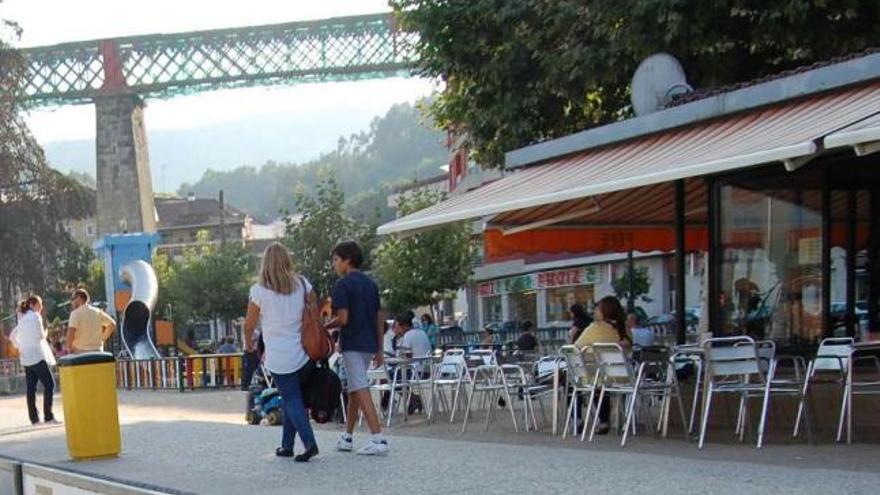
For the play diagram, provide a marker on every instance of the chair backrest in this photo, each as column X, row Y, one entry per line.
column 452, row 365
column 376, row 375
column 613, row 362
column 727, row 356
column 579, row 372
column 488, row 375
column 514, row 374
column 833, row 353
column 766, row 350
column 547, row 365
column 487, row 355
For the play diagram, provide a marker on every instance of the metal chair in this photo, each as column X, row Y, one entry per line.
column 738, row 365
column 837, row 356
column 490, row 382
column 395, row 383
column 581, row 378
column 527, row 391
column 449, row 374
column 619, row 377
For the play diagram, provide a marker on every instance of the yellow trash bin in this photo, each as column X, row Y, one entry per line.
column 91, row 414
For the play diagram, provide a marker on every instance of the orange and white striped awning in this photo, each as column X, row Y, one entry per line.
column 778, row 133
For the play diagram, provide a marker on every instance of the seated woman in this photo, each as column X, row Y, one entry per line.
column 607, row 328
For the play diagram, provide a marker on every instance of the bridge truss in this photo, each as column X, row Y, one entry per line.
column 165, row 65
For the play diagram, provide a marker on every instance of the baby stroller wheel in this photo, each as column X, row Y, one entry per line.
column 274, row 417
column 252, row 418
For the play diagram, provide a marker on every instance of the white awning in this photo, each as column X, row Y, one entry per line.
column 781, row 132
column 864, row 136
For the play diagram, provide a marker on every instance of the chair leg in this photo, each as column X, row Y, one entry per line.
column 800, row 412
column 707, row 403
column 630, row 412
column 455, row 401
column 467, row 409
column 685, row 429
column 763, row 422
column 843, row 402
column 596, row 414
column 569, row 413
column 697, row 389
column 506, row 392
column 587, row 415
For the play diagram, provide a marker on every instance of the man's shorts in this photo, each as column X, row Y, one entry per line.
column 356, row 366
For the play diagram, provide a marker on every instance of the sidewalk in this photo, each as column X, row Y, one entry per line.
column 212, row 451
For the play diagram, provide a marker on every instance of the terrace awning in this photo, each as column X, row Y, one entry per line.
column 635, row 175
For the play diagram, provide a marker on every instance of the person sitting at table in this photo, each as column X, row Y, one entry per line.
column 608, row 327
column 580, row 322
column 488, row 341
column 527, row 340
column 641, row 336
column 415, row 340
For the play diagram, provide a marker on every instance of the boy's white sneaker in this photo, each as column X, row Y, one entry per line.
column 345, row 444
column 374, row 447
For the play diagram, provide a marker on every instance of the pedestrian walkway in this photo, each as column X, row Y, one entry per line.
column 213, row 452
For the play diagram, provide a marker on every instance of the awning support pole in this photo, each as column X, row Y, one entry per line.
column 630, row 282
column 680, row 322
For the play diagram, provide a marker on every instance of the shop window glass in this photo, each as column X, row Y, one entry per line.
column 771, row 265
column 559, row 300
column 523, row 306
column 491, row 309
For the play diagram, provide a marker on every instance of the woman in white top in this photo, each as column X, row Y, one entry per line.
column 29, row 337
column 276, row 302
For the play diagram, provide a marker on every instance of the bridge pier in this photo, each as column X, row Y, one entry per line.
column 124, row 186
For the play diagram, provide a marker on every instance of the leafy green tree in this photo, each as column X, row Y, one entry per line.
column 322, row 222
column 34, row 199
column 527, row 71
column 419, row 270
column 211, row 283
column 637, row 290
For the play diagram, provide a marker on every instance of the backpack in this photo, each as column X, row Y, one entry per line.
column 321, row 389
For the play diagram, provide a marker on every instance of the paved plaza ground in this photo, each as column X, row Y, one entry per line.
column 197, row 442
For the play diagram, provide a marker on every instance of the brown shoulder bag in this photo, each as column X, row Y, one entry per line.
column 315, row 339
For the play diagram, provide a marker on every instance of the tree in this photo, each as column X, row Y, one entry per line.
column 323, row 222
column 420, row 269
column 34, row 199
column 211, row 283
column 520, row 72
column 641, row 285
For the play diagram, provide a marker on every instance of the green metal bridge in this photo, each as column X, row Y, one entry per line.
column 165, row 65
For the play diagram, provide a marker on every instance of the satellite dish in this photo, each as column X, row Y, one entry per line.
column 657, row 79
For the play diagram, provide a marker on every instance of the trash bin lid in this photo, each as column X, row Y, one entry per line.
column 86, row 358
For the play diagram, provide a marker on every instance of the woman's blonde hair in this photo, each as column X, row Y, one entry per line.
column 276, row 272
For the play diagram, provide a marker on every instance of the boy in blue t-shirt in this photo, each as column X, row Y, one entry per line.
column 356, row 303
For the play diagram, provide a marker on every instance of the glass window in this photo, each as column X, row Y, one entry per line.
column 771, row 264
column 523, row 306
column 491, row 309
column 559, row 301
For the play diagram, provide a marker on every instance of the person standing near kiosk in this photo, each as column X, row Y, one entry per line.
column 88, row 327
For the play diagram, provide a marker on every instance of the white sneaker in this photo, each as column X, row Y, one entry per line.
column 345, row 444
column 374, row 447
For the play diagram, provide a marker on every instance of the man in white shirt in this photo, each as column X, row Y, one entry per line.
column 35, row 355
column 416, row 341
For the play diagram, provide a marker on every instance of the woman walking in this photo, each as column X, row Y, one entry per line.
column 276, row 302
column 35, row 354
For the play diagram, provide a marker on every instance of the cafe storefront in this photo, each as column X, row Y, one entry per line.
column 772, row 184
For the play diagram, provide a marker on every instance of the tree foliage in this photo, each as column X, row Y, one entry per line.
column 418, row 270
column 521, row 72
column 397, row 147
column 321, row 222
column 34, row 199
column 212, row 282
column 641, row 285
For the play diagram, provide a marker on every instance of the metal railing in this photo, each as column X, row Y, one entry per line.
column 201, row 371
column 548, row 338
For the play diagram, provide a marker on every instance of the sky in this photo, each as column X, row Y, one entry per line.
column 48, row 22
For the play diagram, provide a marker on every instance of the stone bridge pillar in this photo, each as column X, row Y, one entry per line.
column 124, row 186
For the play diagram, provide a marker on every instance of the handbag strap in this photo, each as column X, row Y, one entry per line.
column 302, row 282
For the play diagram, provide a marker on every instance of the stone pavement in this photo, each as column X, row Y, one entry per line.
column 196, row 442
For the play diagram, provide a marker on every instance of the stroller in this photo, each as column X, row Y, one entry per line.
column 263, row 400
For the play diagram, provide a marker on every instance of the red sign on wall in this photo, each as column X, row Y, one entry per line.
column 561, row 278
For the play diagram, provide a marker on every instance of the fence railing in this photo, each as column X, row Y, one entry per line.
column 201, row 371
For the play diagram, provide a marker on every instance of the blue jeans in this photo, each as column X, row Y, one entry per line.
column 294, row 414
